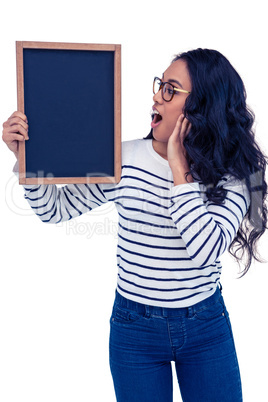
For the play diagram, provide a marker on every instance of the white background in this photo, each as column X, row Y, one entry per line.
column 54, row 320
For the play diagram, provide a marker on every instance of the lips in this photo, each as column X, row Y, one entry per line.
column 156, row 118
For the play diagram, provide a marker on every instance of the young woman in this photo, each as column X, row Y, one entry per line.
column 189, row 191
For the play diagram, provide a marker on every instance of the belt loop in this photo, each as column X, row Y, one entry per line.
column 190, row 312
column 147, row 311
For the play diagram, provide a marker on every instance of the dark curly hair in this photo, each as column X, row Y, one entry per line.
column 221, row 141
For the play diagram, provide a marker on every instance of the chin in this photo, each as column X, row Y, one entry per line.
column 161, row 137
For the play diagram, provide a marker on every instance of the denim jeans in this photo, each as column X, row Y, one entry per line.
column 145, row 339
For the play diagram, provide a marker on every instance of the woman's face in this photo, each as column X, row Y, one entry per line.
column 177, row 74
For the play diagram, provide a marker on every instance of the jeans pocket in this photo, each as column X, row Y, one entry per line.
column 210, row 312
column 123, row 316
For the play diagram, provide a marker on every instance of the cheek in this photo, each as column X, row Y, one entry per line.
column 165, row 129
column 172, row 118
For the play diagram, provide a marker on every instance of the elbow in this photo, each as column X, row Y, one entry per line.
column 202, row 258
column 48, row 218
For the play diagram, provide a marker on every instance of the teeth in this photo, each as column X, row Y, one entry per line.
column 154, row 112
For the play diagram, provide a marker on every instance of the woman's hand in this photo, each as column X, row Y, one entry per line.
column 176, row 152
column 15, row 129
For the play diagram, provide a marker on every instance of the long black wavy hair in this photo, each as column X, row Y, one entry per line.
column 222, row 141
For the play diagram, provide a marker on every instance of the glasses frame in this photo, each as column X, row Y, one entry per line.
column 161, row 87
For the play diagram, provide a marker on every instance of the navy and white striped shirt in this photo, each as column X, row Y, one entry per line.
column 170, row 237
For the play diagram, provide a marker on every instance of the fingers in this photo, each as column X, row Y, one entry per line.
column 183, row 125
column 180, row 120
column 20, row 115
column 17, row 120
column 15, row 128
column 189, row 126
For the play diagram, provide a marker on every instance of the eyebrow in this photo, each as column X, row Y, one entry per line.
column 176, row 82
column 172, row 80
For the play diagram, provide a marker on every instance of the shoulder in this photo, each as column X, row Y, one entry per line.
column 133, row 149
column 128, row 146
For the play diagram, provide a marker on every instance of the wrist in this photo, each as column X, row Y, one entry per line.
column 179, row 173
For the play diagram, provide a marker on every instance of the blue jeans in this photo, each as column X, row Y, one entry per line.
column 145, row 339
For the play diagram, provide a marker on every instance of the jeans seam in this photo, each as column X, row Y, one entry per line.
column 170, row 341
column 173, row 348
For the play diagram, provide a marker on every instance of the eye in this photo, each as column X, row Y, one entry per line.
column 168, row 89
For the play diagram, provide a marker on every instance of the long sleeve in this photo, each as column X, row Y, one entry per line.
column 53, row 205
column 206, row 228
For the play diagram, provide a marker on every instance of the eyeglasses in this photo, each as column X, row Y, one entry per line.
column 168, row 90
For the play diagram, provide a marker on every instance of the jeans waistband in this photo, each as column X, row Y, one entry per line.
column 148, row 310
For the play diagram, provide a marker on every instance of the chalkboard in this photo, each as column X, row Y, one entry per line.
column 71, row 95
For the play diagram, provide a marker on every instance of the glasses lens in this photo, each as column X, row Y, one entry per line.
column 157, row 85
column 167, row 89
column 167, row 92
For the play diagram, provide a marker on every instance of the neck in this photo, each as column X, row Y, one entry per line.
column 160, row 148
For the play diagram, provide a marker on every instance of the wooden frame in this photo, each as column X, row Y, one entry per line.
column 89, row 177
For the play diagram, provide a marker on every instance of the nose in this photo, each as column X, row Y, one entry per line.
column 158, row 97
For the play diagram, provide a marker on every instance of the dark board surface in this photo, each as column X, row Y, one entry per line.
column 69, row 102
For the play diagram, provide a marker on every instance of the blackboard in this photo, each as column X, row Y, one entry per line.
column 71, row 95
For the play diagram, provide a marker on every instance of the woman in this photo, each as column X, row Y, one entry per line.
column 191, row 190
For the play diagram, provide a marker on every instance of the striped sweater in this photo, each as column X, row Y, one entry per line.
column 170, row 238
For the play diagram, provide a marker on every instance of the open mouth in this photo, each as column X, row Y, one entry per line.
column 156, row 118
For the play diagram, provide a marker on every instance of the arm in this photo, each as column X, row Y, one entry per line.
column 53, row 205
column 208, row 228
